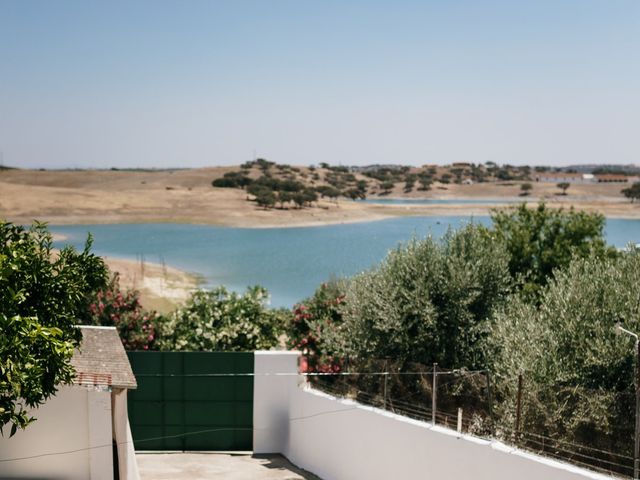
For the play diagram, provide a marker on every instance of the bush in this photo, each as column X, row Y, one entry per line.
column 232, row 180
column 219, row 320
column 579, row 374
column 312, row 318
column 122, row 309
column 540, row 240
column 427, row 302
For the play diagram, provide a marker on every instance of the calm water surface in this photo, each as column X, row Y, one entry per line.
column 435, row 201
column 290, row 262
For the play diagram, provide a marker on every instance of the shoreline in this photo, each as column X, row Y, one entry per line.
column 372, row 212
column 162, row 287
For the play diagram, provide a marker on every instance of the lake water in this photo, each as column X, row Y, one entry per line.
column 290, row 262
column 435, row 201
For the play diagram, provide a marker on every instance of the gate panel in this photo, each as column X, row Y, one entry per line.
column 181, row 404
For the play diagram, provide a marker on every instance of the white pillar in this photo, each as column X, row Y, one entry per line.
column 99, row 426
column 127, row 465
column 271, row 394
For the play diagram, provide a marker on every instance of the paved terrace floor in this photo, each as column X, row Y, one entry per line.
column 207, row 466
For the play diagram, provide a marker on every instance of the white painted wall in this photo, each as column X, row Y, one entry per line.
column 340, row 439
column 71, row 439
column 271, row 399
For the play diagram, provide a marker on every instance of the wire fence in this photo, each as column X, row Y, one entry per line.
column 465, row 400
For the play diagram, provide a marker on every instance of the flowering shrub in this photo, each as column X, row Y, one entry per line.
column 122, row 309
column 313, row 319
column 219, row 320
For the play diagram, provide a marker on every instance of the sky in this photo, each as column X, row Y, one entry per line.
column 193, row 83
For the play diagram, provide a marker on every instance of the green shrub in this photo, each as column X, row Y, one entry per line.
column 540, row 240
column 312, row 319
column 219, row 320
column 427, row 302
column 579, row 374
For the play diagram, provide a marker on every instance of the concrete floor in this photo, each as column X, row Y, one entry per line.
column 206, row 466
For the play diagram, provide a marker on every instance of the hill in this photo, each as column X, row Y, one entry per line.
column 187, row 195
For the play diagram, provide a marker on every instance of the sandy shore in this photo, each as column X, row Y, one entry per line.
column 161, row 287
column 186, row 196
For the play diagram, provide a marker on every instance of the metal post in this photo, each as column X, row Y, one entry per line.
column 518, row 405
column 386, row 376
column 490, row 402
column 459, row 420
column 434, row 394
column 636, row 449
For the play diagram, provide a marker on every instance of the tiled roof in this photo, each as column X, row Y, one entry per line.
column 101, row 359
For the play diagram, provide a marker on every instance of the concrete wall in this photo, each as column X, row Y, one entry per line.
column 340, row 439
column 271, row 395
column 70, row 440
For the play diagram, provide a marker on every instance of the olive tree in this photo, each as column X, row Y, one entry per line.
column 427, row 301
column 578, row 373
column 540, row 240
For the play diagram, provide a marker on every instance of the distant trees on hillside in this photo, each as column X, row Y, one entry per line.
column 333, row 181
column 232, row 180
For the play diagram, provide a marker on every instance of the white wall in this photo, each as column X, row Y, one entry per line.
column 339, row 439
column 71, row 439
column 271, row 399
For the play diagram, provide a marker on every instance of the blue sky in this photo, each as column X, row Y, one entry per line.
column 196, row 83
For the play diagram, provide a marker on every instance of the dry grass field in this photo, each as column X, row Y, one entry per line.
column 186, row 196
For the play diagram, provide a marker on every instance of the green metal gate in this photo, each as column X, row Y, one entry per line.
column 188, row 401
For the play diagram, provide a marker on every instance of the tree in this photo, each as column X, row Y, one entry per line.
column 354, row 194
column 540, row 240
column 386, row 187
column 579, row 375
column 264, row 196
column 284, row 197
column 445, row 178
column 328, row 191
column 428, row 301
column 525, row 188
column 632, row 192
column 425, row 180
column 410, row 182
column 309, row 195
column 263, row 164
column 564, row 186
column 219, row 320
column 42, row 298
column 232, row 180
column 298, row 199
